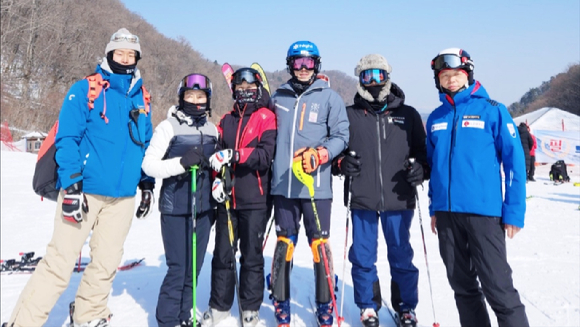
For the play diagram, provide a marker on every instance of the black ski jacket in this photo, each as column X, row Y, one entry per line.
column 384, row 140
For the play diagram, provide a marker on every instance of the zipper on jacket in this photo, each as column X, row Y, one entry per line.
column 302, row 116
column 451, row 145
column 259, row 183
column 379, row 163
column 292, row 144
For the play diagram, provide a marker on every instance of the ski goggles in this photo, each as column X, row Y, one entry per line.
column 249, row 75
column 369, row 75
column 448, row 61
column 195, row 81
column 303, row 62
column 118, row 37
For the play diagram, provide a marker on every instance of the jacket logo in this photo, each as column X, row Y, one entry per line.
column 471, row 117
column 473, row 124
column 511, row 129
column 313, row 115
column 398, row 120
column 438, row 127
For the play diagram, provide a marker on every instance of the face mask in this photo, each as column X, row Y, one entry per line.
column 246, row 96
column 194, row 109
column 375, row 90
column 117, row 68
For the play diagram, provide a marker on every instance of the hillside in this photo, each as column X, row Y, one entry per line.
column 48, row 45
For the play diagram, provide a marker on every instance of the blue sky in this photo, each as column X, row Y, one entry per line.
column 516, row 44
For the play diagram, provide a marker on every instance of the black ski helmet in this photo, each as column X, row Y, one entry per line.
column 195, row 82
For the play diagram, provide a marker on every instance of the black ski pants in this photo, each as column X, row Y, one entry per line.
column 249, row 227
column 532, row 170
column 176, row 294
column 472, row 247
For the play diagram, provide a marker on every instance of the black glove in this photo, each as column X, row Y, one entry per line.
column 147, row 200
column 74, row 201
column 414, row 172
column 350, row 164
column 193, row 157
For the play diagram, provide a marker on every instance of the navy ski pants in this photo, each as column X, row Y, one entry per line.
column 473, row 247
column 288, row 213
column 176, row 294
column 363, row 256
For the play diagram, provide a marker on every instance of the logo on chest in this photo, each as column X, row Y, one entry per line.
column 438, row 127
column 472, row 123
column 313, row 114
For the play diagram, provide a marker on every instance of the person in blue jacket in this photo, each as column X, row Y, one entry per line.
column 99, row 152
column 470, row 137
column 312, row 129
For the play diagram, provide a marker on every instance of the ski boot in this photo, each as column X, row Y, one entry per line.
column 102, row 322
column 407, row 318
column 213, row 317
column 324, row 314
column 250, row 318
column 369, row 318
column 282, row 312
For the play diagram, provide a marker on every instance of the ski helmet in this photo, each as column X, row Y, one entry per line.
column 452, row 58
column 195, row 82
column 303, row 49
column 249, row 75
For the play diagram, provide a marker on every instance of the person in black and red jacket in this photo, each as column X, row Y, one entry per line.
column 247, row 140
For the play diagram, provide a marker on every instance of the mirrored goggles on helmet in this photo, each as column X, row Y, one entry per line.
column 118, row 37
column 195, row 81
column 246, row 75
column 448, row 61
column 369, row 75
column 303, row 62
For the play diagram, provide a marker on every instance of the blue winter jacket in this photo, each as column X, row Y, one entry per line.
column 469, row 138
column 103, row 154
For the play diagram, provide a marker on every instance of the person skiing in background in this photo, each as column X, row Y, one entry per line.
column 185, row 139
column 313, row 129
column 247, row 140
column 99, row 156
column 527, row 144
column 384, row 134
column 532, row 170
column 469, row 137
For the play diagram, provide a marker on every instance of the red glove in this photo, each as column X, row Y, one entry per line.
column 312, row 158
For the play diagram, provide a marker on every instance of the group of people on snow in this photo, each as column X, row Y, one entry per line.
column 276, row 154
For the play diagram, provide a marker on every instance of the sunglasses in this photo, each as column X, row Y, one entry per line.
column 250, row 76
column 195, row 81
column 303, row 62
column 117, row 37
column 448, row 61
column 369, row 75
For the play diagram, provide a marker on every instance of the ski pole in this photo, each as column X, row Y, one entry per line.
column 225, row 175
column 194, row 241
column 308, row 181
column 341, row 316
column 435, row 323
column 268, row 233
column 79, row 262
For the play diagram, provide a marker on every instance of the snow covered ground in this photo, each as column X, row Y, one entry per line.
column 545, row 258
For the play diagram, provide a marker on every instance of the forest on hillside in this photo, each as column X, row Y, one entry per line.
column 47, row 45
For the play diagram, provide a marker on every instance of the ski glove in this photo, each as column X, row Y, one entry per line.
column 218, row 190
column 193, row 157
column 147, row 200
column 223, row 157
column 414, row 172
column 73, row 202
column 350, row 164
column 312, row 158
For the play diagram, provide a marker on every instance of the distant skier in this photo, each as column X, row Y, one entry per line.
column 469, row 138
column 384, row 134
column 312, row 129
column 527, row 144
column 247, row 142
column 186, row 138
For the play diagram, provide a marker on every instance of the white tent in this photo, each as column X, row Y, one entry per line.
column 557, row 134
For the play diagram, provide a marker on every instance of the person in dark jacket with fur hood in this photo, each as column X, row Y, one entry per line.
column 385, row 135
column 247, row 139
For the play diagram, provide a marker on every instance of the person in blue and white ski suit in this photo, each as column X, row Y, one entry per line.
column 469, row 139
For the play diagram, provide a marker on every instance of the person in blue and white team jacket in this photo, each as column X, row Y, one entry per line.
column 470, row 137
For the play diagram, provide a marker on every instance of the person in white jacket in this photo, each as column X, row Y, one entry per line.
column 185, row 139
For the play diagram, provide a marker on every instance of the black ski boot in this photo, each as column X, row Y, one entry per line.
column 369, row 318
column 407, row 318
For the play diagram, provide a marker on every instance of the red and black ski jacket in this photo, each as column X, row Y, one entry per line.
column 250, row 129
column 384, row 140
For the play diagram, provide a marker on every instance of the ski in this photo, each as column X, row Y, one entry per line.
column 27, row 260
column 529, row 197
column 392, row 313
column 265, row 83
column 30, row 269
column 228, row 71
